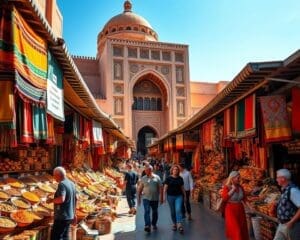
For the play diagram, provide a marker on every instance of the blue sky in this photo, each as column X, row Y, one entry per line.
column 223, row 35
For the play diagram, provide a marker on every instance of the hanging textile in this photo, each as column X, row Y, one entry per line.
column 166, row 145
column 190, row 139
column 196, row 159
column 50, row 130
column 295, row 110
column 106, row 141
column 8, row 137
column 29, row 93
column 275, row 118
column 87, row 128
column 207, row 134
column 179, row 141
column 30, row 52
column 76, row 125
column 39, row 123
column 6, row 42
column 245, row 112
column 26, row 122
column 97, row 133
column 7, row 102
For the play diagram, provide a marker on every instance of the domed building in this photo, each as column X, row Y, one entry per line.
column 144, row 84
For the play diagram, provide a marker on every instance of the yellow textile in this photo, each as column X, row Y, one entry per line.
column 30, row 52
column 7, row 101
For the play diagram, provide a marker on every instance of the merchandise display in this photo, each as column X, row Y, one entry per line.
column 26, row 204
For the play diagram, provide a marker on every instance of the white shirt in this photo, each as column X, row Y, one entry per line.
column 187, row 180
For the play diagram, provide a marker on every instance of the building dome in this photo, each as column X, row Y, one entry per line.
column 128, row 25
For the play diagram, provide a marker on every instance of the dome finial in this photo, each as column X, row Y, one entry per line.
column 127, row 6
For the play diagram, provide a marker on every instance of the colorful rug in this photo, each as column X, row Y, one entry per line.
column 296, row 110
column 29, row 93
column 275, row 118
column 30, row 52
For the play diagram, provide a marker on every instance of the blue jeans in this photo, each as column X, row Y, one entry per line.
column 175, row 204
column 154, row 206
column 130, row 196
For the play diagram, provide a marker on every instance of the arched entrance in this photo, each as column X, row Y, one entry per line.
column 145, row 136
column 150, row 97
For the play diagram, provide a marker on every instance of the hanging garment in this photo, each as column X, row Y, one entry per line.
column 39, row 123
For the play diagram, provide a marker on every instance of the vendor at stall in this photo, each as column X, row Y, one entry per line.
column 64, row 205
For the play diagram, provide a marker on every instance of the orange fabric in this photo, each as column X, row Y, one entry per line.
column 50, row 128
column 7, row 102
column 235, row 219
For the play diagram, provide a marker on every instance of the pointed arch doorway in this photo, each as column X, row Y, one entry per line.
column 145, row 136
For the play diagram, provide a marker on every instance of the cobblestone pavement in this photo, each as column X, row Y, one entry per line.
column 205, row 225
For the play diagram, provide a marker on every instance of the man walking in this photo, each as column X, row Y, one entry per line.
column 288, row 209
column 151, row 188
column 188, row 187
column 64, row 205
column 130, row 181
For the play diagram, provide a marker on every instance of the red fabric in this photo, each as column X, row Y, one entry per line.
column 235, row 219
column 207, row 134
column 249, row 112
column 226, row 129
column 27, row 126
column 296, row 110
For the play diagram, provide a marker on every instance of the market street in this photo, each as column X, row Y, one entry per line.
column 204, row 226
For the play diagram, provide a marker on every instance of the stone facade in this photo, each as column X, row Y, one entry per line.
column 141, row 82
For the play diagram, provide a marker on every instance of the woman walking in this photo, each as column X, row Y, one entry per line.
column 235, row 219
column 175, row 194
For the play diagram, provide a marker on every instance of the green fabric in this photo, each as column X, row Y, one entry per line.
column 39, row 123
column 241, row 116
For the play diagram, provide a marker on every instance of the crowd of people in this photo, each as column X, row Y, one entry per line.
column 157, row 183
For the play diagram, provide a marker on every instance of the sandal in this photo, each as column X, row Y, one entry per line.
column 180, row 228
column 174, row 227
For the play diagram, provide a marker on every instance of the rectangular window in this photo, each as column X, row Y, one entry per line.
column 178, row 57
column 118, row 51
column 155, row 55
column 132, row 52
column 118, row 106
column 179, row 75
column 166, row 56
column 144, row 53
column 180, row 108
column 118, row 70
